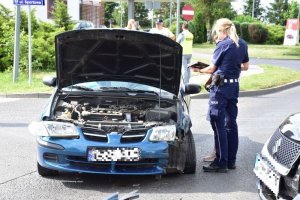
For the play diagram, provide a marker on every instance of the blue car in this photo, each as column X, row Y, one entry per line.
column 119, row 106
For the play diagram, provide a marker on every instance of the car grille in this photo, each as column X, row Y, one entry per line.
column 283, row 150
column 131, row 136
column 79, row 161
column 94, row 134
column 135, row 135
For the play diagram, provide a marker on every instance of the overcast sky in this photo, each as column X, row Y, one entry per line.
column 238, row 5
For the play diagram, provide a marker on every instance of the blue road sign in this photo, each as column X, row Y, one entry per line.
column 29, row 2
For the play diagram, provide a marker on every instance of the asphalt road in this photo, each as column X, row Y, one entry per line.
column 258, row 118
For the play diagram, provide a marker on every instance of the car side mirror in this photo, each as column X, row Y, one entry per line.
column 49, row 81
column 192, row 89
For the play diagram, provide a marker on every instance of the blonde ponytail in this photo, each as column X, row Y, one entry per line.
column 228, row 27
column 233, row 35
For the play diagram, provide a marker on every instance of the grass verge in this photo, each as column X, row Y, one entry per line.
column 257, row 51
column 273, row 76
column 22, row 85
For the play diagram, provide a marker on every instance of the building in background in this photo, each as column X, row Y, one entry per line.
column 90, row 10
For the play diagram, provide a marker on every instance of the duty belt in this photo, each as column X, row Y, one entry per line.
column 234, row 80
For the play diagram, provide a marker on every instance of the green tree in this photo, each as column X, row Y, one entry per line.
column 164, row 11
column 24, row 21
column 276, row 13
column 61, row 16
column 6, row 39
column 109, row 7
column 198, row 24
column 119, row 14
column 258, row 10
column 212, row 10
column 141, row 14
column 292, row 11
column 245, row 18
column 43, row 51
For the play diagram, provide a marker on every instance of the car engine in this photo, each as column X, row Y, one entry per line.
column 116, row 114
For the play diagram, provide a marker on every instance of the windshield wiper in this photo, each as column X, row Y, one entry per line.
column 125, row 89
column 122, row 89
column 81, row 88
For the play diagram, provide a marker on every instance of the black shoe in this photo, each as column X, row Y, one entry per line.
column 215, row 168
column 231, row 166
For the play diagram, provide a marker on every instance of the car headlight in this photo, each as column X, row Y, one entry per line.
column 53, row 129
column 163, row 133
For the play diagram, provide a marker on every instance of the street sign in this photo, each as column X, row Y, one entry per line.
column 29, row 2
column 187, row 12
column 291, row 36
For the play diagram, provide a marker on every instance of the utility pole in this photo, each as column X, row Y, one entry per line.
column 17, row 45
column 253, row 3
column 29, row 47
column 298, row 10
column 170, row 21
column 177, row 18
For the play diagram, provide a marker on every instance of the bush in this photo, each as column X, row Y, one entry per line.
column 200, row 32
column 257, row 33
column 276, row 34
column 43, row 51
column 174, row 25
column 245, row 18
column 244, row 31
column 237, row 27
column 6, row 39
column 43, row 48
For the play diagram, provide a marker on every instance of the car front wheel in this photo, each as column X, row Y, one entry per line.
column 46, row 172
column 190, row 162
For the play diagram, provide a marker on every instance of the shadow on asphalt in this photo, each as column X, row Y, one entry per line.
column 241, row 179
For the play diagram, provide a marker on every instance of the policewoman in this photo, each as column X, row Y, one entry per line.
column 230, row 57
column 185, row 39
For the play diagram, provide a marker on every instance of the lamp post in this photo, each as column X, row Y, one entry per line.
column 299, row 9
column 253, row 3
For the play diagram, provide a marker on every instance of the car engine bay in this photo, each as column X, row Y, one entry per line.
column 116, row 113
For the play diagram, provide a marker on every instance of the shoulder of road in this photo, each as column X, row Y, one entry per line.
column 195, row 79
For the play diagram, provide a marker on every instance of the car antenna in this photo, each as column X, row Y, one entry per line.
column 159, row 80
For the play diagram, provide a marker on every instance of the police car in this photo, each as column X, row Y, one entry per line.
column 119, row 106
column 277, row 166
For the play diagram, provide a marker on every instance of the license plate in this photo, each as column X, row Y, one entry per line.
column 114, row 154
column 267, row 174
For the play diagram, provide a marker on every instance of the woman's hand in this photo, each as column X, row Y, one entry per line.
column 194, row 69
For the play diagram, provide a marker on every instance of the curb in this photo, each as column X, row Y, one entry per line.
column 256, row 92
column 197, row 96
column 26, row 95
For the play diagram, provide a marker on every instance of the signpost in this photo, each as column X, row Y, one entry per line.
column 19, row 3
column 291, row 36
column 188, row 12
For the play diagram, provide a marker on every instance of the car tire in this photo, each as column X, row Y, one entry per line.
column 190, row 162
column 46, row 172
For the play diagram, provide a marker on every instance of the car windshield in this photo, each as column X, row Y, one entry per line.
column 118, row 86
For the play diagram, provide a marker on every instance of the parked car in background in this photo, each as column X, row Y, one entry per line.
column 82, row 24
column 277, row 166
column 119, row 107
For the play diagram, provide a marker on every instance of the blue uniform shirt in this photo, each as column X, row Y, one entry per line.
column 228, row 57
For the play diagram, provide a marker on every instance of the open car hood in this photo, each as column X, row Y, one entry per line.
column 118, row 55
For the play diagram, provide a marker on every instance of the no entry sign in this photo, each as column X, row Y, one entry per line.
column 187, row 12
